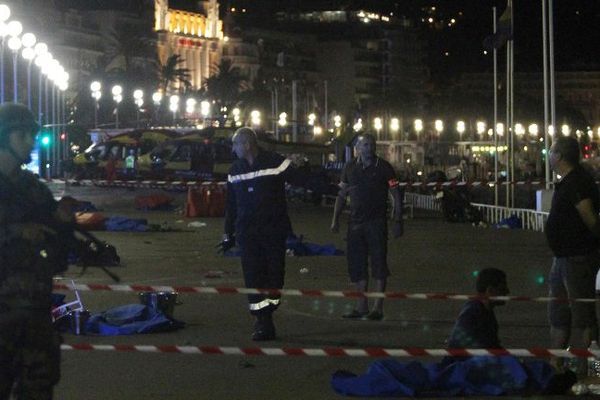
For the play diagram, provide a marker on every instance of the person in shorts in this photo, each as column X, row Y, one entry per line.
column 572, row 231
column 367, row 180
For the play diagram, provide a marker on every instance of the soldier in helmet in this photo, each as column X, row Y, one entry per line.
column 30, row 255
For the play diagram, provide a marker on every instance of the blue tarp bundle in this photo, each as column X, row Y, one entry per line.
column 298, row 247
column 130, row 319
column 475, row 376
column 512, row 222
column 124, row 224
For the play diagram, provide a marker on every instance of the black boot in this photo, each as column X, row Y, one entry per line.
column 263, row 328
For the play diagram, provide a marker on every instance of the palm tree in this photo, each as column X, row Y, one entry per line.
column 224, row 86
column 171, row 74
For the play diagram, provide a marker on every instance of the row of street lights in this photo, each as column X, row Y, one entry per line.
column 50, row 71
column 138, row 98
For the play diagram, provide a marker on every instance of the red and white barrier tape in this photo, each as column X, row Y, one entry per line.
column 160, row 184
column 306, row 292
column 333, row 351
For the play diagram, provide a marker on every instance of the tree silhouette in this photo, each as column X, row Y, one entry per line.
column 224, row 85
column 172, row 75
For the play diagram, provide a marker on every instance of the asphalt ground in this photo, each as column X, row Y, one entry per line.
column 432, row 256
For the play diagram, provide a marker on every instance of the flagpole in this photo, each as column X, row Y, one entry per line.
column 507, row 124
column 511, row 45
column 546, row 105
column 551, row 59
column 495, row 115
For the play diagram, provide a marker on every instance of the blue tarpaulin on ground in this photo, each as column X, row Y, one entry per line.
column 130, row 319
column 475, row 376
column 124, row 224
column 297, row 247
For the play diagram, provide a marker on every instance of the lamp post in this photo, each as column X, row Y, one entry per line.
column 4, row 16
column 439, row 126
column 117, row 92
column 156, row 99
column 174, row 106
column 28, row 40
column 418, row 125
column 138, row 98
column 190, row 107
column 96, row 88
column 41, row 55
column 255, row 118
column 480, row 128
column 14, row 43
column 205, row 109
column 394, row 126
column 460, row 128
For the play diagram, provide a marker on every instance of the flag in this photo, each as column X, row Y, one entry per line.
column 504, row 30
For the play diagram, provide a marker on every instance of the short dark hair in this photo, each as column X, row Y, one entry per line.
column 489, row 277
column 568, row 148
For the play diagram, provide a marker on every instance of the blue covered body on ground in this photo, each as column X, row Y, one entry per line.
column 131, row 319
column 475, row 376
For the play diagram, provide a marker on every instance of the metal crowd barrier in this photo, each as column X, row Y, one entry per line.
column 422, row 201
column 531, row 219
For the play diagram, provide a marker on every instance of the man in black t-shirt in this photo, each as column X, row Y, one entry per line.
column 367, row 180
column 573, row 230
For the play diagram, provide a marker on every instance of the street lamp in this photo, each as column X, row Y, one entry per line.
column 190, row 105
column 205, row 108
column 117, row 92
column 138, row 99
column 96, row 88
column 533, row 130
column 418, row 125
column 14, row 43
column 394, row 125
column 480, row 127
column 519, row 129
column 317, row 130
column 460, row 128
column 357, row 127
column 439, row 126
column 500, row 129
column 282, row 119
column 378, row 125
column 174, row 106
column 311, row 119
column 565, row 129
column 337, row 121
column 236, row 116
column 255, row 118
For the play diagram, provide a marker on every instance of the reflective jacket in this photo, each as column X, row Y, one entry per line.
column 256, row 203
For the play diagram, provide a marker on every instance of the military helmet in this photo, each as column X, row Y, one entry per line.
column 14, row 116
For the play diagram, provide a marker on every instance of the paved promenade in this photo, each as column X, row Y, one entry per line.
column 433, row 256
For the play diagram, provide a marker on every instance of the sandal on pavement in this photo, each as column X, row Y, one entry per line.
column 355, row 314
column 374, row 316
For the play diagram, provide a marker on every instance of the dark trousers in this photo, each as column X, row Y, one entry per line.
column 29, row 355
column 263, row 265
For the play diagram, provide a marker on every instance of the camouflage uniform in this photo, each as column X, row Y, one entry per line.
column 29, row 346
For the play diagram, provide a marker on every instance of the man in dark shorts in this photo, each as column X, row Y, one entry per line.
column 572, row 231
column 367, row 180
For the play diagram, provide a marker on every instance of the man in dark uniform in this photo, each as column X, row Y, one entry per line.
column 367, row 180
column 30, row 254
column 572, row 231
column 256, row 218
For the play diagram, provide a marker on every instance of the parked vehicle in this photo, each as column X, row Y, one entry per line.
column 201, row 155
column 92, row 162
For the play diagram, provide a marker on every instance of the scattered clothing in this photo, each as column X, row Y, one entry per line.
column 512, row 222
